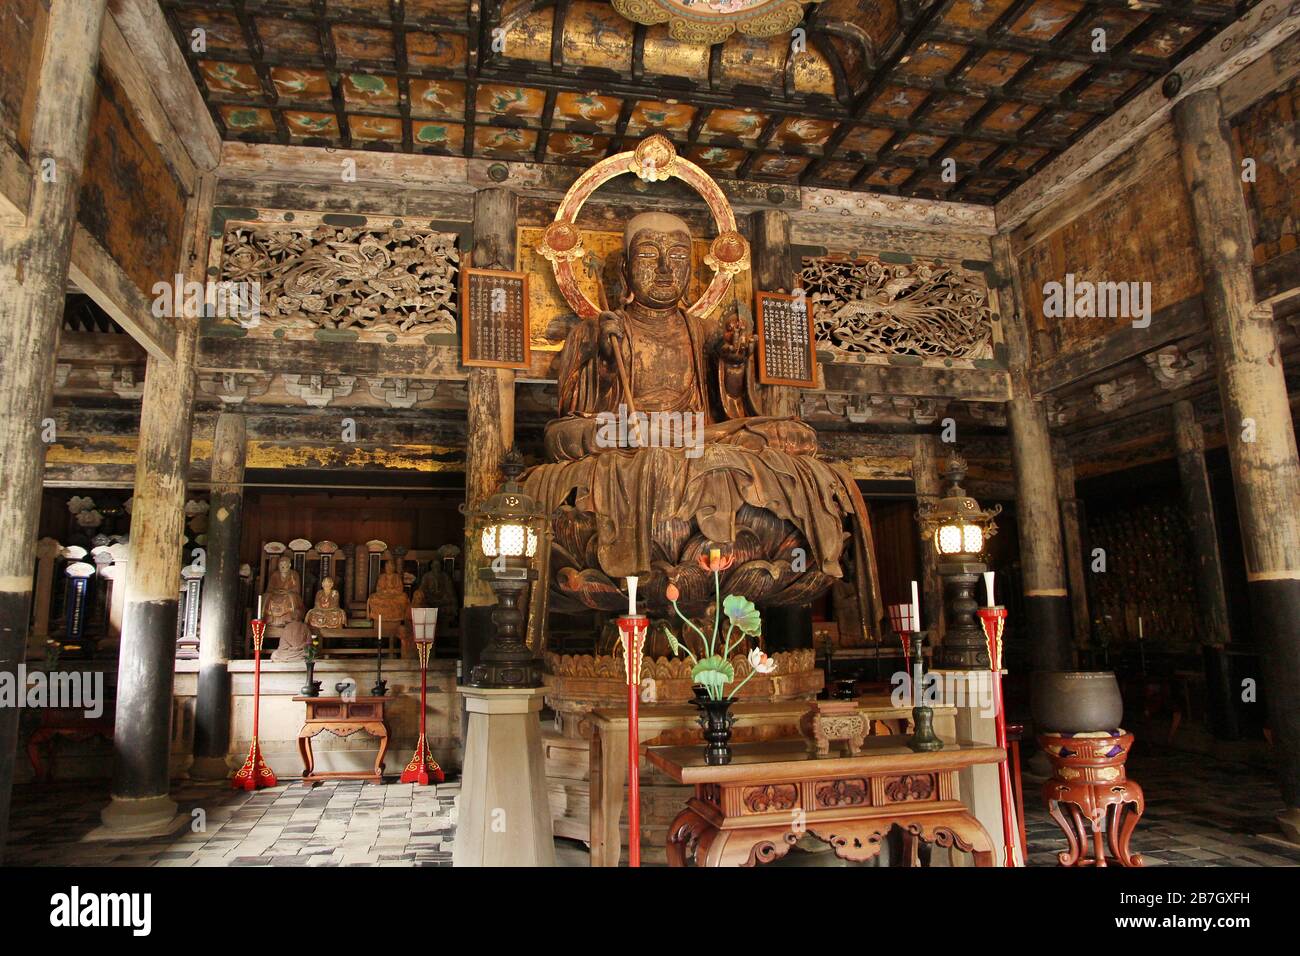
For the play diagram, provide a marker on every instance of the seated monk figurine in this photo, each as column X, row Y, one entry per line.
column 282, row 603
column 326, row 612
column 389, row 599
column 437, row 590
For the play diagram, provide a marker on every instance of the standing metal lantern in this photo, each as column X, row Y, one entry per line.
column 959, row 529
column 508, row 526
column 423, row 769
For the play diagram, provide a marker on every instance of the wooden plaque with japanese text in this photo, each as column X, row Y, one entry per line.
column 494, row 318
column 786, row 353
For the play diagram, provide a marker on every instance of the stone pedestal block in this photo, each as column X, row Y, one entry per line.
column 504, row 814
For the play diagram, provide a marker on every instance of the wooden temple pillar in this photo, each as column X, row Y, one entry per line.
column 1257, row 421
column 926, row 464
column 34, row 260
column 1038, row 513
column 222, row 618
column 1199, row 504
column 1076, row 562
column 146, row 661
column 490, row 419
column 773, row 269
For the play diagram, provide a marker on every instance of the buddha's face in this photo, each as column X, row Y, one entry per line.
column 283, row 565
column 327, row 585
column 659, row 267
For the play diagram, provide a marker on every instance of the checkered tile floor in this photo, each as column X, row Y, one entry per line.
column 1199, row 813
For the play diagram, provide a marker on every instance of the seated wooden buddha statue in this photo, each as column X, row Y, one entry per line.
column 282, row 603
column 326, row 612
column 651, row 355
column 712, row 471
column 389, row 599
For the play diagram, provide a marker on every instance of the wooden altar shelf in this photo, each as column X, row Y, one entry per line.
column 754, row 809
column 669, row 724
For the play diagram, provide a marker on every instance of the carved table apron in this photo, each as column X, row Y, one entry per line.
column 755, row 808
column 343, row 717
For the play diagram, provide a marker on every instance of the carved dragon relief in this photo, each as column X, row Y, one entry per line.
column 399, row 279
column 921, row 308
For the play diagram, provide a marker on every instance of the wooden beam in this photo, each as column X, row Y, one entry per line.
column 15, row 185
column 98, row 275
column 140, row 90
column 1236, row 47
column 970, row 385
column 162, row 66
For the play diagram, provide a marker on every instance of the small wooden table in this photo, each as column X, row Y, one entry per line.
column 343, row 717
column 755, row 808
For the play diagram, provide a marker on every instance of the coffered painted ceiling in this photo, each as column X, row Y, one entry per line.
column 872, row 95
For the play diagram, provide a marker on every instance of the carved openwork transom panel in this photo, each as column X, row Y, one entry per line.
column 868, row 306
column 379, row 275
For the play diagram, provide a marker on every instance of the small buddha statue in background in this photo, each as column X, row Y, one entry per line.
column 326, row 611
column 283, row 599
column 437, row 589
column 389, row 600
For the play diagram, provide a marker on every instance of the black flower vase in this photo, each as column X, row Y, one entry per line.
column 312, row 687
column 716, row 720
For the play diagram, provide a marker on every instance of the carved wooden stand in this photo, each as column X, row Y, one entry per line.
column 343, row 717
column 755, row 808
column 1088, row 781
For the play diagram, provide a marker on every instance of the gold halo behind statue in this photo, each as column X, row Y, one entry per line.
column 655, row 159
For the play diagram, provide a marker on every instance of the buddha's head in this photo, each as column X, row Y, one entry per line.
column 657, row 259
column 283, row 564
column 327, row 585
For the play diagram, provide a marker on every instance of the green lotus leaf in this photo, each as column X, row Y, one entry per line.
column 742, row 613
column 714, row 673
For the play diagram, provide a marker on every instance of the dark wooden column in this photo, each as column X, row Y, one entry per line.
column 1257, row 418
column 1076, row 562
column 221, row 621
column 1038, row 515
column 146, row 661
column 774, row 270
column 491, row 415
column 1190, row 439
column 927, row 460
column 34, row 260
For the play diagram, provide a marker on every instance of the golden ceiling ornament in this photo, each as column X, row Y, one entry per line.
column 713, row 21
column 655, row 158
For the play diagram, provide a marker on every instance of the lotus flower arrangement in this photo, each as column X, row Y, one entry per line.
column 712, row 667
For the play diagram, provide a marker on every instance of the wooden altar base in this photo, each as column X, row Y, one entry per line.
column 754, row 809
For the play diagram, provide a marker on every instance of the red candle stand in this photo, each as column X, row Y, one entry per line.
column 423, row 769
column 255, row 774
column 632, row 633
column 994, row 620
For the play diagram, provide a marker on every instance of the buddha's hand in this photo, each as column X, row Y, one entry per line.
column 611, row 330
column 737, row 344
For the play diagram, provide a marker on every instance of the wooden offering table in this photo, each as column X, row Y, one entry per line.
column 343, row 717
column 755, row 808
column 673, row 724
